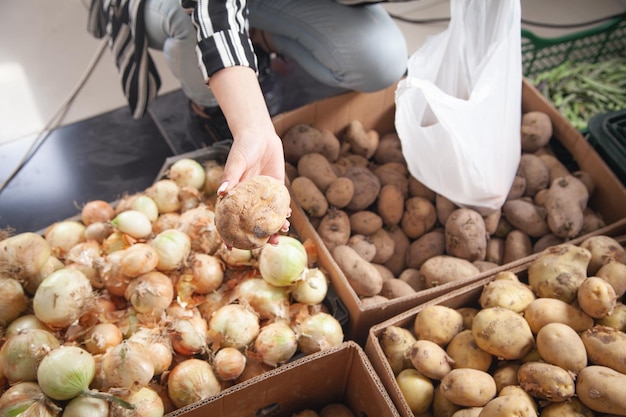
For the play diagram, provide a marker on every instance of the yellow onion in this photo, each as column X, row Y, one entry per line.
column 150, row 293
column 133, row 223
column 23, row 323
column 96, row 211
column 21, row 353
column 66, row 372
column 157, row 345
column 101, row 337
column 24, row 254
column 173, row 247
column 165, row 195
column 189, row 335
column 138, row 259
column 229, row 363
column 146, row 402
column 64, row 235
column 127, row 365
column 234, row 325
column 190, row 381
column 187, row 172
column 268, row 301
column 147, row 206
column 199, row 224
column 61, row 297
column 283, row 263
column 276, row 343
column 12, row 300
column 312, row 288
column 84, row 405
column 319, row 332
column 27, row 399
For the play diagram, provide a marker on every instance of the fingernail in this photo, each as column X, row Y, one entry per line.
column 222, row 188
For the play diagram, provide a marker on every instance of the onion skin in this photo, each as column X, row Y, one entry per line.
column 190, row 381
column 20, row 354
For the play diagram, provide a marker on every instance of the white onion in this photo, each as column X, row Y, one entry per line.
column 235, row 257
column 229, row 363
column 150, row 293
column 134, row 223
column 127, row 365
column 268, row 301
column 173, row 247
column 319, row 332
column 101, row 337
column 61, row 297
column 312, row 288
column 66, row 372
column 83, row 406
column 234, row 325
column 24, row 254
column 20, row 355
column 64, row 235
column 214, row 172
column 190, row 381
column 283, row 263
column 147, row 206
column 276, row 343
column 12, row 300
column 187, row 172
column 165, row 195
column 138, row 259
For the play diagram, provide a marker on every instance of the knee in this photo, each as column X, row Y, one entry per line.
column 384, row 61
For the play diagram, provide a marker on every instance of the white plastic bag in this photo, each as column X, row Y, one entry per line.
column 458, row 111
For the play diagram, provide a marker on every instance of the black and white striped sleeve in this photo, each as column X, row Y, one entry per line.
column 223, row 39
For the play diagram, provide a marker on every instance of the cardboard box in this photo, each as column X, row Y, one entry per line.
column 377, row 111
column 342, row 374
column 462, row 297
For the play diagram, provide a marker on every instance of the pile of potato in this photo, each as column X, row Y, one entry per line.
column 392, row 236
column 548, row 341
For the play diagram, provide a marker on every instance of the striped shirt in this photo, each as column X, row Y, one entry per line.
column 222, row 33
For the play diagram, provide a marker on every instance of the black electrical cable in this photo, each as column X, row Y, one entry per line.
column 523, row 21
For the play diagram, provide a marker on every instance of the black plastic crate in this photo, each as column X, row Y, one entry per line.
column 607, row 134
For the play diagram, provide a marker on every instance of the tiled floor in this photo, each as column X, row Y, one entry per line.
column 96, row 150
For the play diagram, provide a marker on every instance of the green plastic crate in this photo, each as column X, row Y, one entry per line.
column 602, row 42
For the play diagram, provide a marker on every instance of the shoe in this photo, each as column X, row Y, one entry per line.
column 270, row 85
column 206, row 126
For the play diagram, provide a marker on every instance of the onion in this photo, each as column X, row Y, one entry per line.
column 165, row 195
column 24, row 254
column 234, row 325
column 116, row 241
column 98, row 231
column 102, row 337
column 165, row 221
column 207, row 273
column 187, row 172
column 113, row 280
column 157, row 345
column 83, row 405
column 20, row 355
column 26, row 399
column 235, row 257
column 66, row 372
column 147, row 206
column 32, row 282
column 12, row 300
column 276, row 343
column 96, row 211
column 173, row 247
column 86, row 256
column 146, row 403
column 214, row 172
column 62, row 297
column 283, row 263
column 319, row 332
column 229, row 363
column 190, row 197
column 312, row 289
column 191, row 380
column 127, row 365
column 133, row 223
column 189, row 336
column 23, row 323
column 64, row 235
column 268, row 301
column 138, row 259
column 199, row 224
column 150, row 293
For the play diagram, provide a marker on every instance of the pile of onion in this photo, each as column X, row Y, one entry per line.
column 139, row 308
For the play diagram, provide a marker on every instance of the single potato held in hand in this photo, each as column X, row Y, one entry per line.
column 249, row 214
